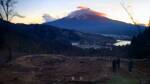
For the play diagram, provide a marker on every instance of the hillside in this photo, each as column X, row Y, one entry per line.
column 35, row 38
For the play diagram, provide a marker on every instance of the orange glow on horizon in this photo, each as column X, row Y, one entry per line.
column 28, row 20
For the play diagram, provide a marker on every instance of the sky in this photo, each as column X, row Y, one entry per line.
column 34, row 10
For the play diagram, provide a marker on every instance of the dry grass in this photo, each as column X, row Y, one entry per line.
column 45, row 69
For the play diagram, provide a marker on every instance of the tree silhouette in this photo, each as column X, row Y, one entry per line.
column 7, row 10
column 7, row 13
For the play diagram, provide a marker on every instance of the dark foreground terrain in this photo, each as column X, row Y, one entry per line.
column 57, row 69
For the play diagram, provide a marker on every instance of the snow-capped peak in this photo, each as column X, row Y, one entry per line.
column 84, row 13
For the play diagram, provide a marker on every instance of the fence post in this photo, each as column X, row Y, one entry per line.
column 130, row 66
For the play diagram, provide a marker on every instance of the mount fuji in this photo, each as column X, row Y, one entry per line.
column 87, row 20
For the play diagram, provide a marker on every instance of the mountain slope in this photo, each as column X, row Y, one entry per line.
column 87, row 20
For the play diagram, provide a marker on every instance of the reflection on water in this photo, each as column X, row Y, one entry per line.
column 122, row 43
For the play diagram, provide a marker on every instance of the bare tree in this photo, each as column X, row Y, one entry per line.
column 130, row 15
column 149, row 23
column 1, row 16
column 7, row 10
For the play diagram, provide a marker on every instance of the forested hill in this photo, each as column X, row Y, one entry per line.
column 140, row 47
column 37, row 38
column 32, row 37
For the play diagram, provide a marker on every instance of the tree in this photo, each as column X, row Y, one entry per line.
column 7, row 10
column 149, row 23
column 1, row 42
column 130, row 16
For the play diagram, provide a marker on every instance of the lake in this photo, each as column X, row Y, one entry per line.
column 122, row 42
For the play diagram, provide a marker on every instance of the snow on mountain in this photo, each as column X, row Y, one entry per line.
column 84, row 13
column 87, row 20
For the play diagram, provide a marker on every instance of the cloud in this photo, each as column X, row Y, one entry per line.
column 48, row 18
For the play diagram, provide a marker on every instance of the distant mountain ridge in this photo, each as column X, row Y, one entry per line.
column 87, row 20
